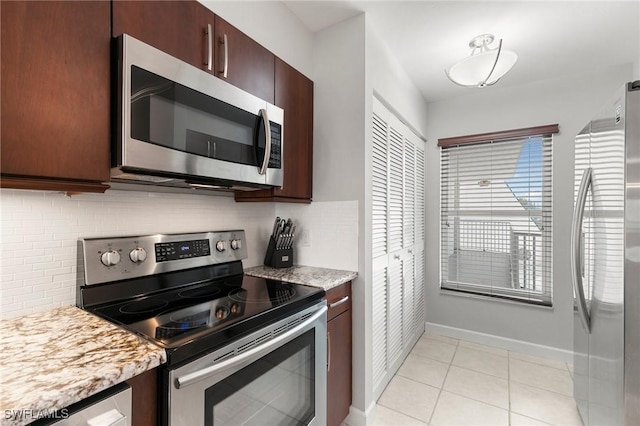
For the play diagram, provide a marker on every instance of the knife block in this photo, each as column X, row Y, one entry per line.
column 278, row 258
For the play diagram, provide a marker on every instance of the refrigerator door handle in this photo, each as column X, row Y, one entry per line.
column 576, row 234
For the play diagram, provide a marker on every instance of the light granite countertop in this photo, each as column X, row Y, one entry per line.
column 307, row 275
column 53, row 359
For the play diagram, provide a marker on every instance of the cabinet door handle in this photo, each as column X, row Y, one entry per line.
column 225, row 67
column 328, row 351
column 209, row 47
column 339, row 302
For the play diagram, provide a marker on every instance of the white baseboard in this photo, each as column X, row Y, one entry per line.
column 358, row 417
column 534, row 349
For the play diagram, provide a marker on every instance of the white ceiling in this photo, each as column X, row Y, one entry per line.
column 551, row 38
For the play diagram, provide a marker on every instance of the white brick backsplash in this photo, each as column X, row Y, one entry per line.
column 48, row 266
column 18, row 291
column 11, row 247
column 8, row 283
column 37, row 259
column 10, row 262
column 28, row 274
column 48, row 286
column 39, row 232
column 34, row 281
column 333, row 227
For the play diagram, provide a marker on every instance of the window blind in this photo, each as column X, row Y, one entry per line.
column 496, row 236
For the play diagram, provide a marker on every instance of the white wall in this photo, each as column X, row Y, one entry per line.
column 392, row 84
column 570, row 102
column 338, row 153
column 272, row 25
column 339, row 93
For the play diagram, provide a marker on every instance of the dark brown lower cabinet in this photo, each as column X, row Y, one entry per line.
column 338, row 354
column 144, row 389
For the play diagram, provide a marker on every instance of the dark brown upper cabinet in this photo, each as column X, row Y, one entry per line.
column 294, row 94
column 243, row 62
column 170, row 26
column 55, row 85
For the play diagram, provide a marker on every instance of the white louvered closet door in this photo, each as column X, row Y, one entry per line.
column 409, row 199
column 396, row 315
column 379, row 186
column 397, row 243
column 409, row 238
column 419, row 284
column 379, row 243
column 408, row 296
column 379, row 329
column 395, row 230
column 394, row 312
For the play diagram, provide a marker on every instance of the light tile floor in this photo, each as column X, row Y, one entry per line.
column 447, row 381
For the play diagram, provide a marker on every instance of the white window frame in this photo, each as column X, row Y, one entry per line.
column 492, row 243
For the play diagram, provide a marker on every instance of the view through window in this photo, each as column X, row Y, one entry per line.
column 496, row 216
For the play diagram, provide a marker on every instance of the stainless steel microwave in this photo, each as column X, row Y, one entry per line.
column 178, row 126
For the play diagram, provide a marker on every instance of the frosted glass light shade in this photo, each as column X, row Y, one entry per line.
column 478, row 70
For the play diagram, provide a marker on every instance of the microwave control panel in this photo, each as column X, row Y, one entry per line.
column 275, row 162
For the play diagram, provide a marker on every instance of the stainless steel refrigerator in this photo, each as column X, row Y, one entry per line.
column 605, row 263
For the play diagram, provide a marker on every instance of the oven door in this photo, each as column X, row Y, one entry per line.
column 177, row 120
column 276, row 375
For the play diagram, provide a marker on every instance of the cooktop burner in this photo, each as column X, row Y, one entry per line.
column 199, row 292
column 277, row 295
column 143, row 306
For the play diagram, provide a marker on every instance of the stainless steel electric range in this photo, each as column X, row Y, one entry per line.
column 240, row 349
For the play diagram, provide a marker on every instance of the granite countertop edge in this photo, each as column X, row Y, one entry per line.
column 73, row 355
column 324, row 278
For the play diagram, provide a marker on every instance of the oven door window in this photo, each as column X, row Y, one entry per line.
column 278, row 389
column 169, row 114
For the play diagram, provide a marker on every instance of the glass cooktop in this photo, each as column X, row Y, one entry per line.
column 211, row 311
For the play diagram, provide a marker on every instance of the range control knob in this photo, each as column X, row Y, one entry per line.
column 222, row 312
column 221, row 246
column 110, row 258
column 138, row 255
column 236, row 244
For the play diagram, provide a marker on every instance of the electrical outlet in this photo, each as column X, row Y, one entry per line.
column 305, row 238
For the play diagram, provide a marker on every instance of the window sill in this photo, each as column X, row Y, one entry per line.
column 454, row 293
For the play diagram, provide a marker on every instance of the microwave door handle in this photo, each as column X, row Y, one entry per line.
column 267, row 136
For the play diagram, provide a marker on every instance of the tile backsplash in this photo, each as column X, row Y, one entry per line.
column 331, row 231
column 40, row 230
column 39, row 233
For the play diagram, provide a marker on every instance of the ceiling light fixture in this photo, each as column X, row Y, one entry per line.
column 485, row 66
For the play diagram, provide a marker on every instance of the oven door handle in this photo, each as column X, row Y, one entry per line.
column 250, row 356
